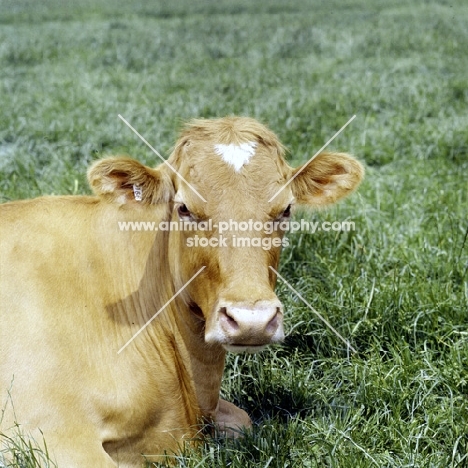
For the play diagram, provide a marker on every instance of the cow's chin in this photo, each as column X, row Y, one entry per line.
column 249, row 349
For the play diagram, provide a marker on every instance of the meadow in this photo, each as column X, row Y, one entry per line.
column 396, row 287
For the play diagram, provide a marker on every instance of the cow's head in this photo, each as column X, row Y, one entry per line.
column 226, row 174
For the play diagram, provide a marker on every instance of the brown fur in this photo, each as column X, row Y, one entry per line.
column 74, row 289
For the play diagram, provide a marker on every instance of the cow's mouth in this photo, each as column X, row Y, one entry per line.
column 242, row 348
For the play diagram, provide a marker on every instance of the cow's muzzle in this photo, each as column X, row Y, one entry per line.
column 242, row 327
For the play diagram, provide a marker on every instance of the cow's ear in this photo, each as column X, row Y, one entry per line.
column 328, row 178
column 124, row 180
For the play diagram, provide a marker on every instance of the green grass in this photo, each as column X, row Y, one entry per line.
column 22, row 451
column 397, row 287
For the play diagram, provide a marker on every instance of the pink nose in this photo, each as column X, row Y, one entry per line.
column 238, row 322
column 255, row 325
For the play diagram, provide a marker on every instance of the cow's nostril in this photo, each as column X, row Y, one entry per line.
column 273, row 324
column 228, row 320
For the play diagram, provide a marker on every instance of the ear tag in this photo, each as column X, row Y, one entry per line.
column 137, row 193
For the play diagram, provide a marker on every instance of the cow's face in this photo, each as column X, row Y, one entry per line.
column 232, row 193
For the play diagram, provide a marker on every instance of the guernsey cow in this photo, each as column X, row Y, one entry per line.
column 112, row 339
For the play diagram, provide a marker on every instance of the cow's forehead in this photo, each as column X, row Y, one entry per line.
column 233, row 157
column 239, row 172
column 236, row 155
column 237, row 160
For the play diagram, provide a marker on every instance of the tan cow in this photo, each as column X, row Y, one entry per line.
column 76, row 286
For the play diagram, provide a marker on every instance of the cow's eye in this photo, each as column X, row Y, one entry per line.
column 183, row 211
column 287, row 212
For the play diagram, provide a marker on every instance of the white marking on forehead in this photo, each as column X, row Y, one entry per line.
column 236, row 155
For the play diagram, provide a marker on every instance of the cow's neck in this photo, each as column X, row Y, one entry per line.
column 148, row 275
column 206, row 362
column 203, row 363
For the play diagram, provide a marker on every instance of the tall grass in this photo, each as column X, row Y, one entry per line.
column 396, row 287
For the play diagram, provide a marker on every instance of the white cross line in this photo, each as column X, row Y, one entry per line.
column 315, row 312
column 157, row 154
column 312, row 158
column 161, row 309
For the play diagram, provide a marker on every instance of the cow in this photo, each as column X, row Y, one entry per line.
column 113, row 340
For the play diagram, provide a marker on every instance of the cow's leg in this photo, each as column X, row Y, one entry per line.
column 231, row 420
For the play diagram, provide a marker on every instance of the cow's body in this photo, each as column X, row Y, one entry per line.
column 74, row 289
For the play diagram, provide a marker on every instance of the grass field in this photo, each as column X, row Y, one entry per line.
column 396, row 287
